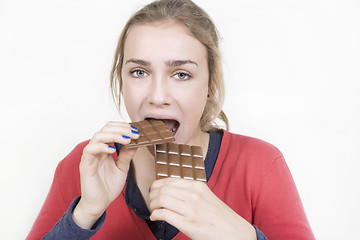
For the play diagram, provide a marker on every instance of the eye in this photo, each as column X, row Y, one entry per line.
column 138, row 73
column 182, row 76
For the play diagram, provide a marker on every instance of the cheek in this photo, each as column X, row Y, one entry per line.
column 132, row 99
column 192, row 101
column 192, row 112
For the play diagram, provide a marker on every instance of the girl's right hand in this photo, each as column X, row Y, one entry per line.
column 102, row 178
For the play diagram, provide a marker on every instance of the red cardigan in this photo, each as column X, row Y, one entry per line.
column 250, row 176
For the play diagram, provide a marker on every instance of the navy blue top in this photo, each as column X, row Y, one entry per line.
column 66, row 228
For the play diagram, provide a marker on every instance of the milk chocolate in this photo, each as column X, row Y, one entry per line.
column 151, row 132
column 179, row 161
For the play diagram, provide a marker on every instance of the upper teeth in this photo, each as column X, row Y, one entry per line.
column 174, row 129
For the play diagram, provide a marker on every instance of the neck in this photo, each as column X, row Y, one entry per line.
column 202, row 140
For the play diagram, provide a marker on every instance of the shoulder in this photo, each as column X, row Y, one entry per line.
column 246, row 145
column 250, row 160
column 247, row 154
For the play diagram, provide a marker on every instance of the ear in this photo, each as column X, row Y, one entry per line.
column 211, row 89
column 120, row 84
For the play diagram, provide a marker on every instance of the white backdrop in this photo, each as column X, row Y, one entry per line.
column 292, row 75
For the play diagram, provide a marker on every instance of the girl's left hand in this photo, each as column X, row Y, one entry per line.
column 193, row 208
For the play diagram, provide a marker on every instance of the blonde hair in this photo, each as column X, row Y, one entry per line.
column 203, row 29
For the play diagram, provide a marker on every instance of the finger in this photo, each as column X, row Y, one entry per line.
column 124, row 158
column 115, row 126
column 169, row 216
column 168, row 201
column 175, row 192
column 118, row 123
column 98, row 148
column 122, row 137
column 179, row 183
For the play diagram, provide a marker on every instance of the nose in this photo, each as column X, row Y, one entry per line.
column 159, row 94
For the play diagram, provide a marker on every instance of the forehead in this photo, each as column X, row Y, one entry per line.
column 163, row 41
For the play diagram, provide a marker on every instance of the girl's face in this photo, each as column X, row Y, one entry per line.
column 165, row 76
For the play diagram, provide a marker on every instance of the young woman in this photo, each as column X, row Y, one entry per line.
column 167, row 66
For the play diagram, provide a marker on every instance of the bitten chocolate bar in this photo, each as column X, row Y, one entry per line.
column 151, row 132
column 179, row 161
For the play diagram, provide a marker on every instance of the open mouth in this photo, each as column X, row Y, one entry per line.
column 171, row 124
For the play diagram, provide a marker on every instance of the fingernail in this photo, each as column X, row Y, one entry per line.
column 112, row 148
column 126, row 137
column 135, row 132
column 134, row 128
column 149, row 189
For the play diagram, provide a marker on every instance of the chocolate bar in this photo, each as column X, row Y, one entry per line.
column 151, row 132
column 179, row 161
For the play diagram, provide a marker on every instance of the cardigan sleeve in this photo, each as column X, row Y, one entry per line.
column 259, row 234
column 280, row 213
column 64, row 189
column 66, row 228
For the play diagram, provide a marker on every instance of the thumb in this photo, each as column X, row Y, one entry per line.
column 124, row 158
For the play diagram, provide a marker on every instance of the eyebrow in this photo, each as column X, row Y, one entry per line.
column 177, row 63
column 171, row 63
column 138, row 61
